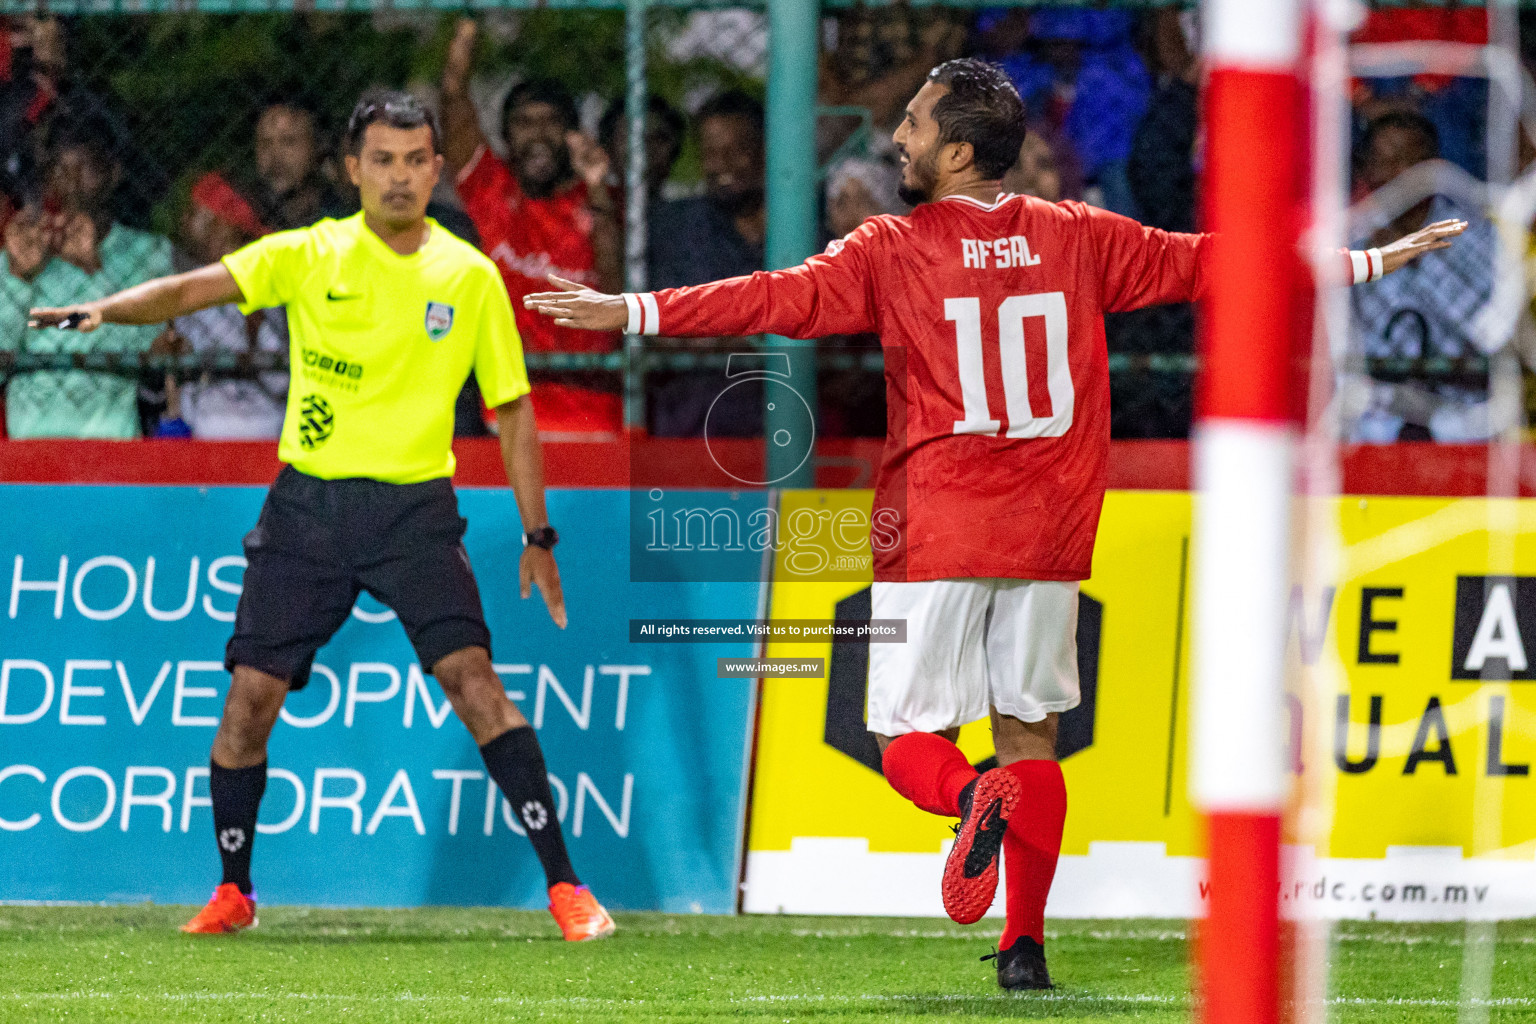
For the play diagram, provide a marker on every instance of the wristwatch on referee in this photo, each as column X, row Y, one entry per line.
column 544, row 537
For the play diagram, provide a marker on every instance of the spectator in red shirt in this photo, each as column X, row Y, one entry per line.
column 545, row 209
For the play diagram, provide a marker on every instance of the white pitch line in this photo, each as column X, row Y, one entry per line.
column 408, row 997
column 1129, row 935
column 1432, row 940
column 992, row 997
column 877, row 933
column 1132, row 935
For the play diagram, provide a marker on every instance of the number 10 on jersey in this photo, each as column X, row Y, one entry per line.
column 1011, row 314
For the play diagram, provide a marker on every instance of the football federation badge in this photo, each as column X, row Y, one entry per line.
column 439, row 320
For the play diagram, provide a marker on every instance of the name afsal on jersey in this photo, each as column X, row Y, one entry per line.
column 997, row 254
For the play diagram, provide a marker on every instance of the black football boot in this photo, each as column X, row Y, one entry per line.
column 1021, row 966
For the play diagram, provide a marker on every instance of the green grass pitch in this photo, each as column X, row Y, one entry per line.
column 470, row 965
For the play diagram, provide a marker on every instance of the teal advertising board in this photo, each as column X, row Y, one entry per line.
column 116, row 603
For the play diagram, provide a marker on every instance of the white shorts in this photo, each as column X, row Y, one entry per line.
column 973, row 644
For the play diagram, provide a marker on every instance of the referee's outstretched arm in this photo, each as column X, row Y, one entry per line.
column 153, row 302
column 524, row 459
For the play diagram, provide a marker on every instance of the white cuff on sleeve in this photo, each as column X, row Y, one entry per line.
column 650, row 320
column 1357, row 259
column 644, row 317
column 1378, row 266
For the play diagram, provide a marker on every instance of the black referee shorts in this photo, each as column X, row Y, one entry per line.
column 319, row 543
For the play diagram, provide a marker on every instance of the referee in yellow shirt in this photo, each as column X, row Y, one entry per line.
column 388, row 313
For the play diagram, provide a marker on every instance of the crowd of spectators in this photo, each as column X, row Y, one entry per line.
column 536, row 179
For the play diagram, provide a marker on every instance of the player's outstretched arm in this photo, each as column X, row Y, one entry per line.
column 1427, row 239
column 153, row 302
column 1144, row 266
column 524, row 460
column 830, row 293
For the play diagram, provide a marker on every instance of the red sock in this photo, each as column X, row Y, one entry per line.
column 928, row 770
column 1031, row 846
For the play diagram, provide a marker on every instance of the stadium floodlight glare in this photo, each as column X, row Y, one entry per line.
column 1243, row 458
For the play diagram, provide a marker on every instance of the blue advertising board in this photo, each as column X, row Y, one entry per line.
column 116, row 603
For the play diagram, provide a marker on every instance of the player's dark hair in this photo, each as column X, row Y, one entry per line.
column 1410, row 121
column 982, row 108
column 393, row 108
column 733, row 103
column 540, row 90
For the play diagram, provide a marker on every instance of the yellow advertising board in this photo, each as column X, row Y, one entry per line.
column 1409, row 663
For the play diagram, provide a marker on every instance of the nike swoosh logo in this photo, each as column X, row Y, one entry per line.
column 987, row 840
column 340, row 298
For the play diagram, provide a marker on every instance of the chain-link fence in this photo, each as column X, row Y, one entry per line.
column 132, row 145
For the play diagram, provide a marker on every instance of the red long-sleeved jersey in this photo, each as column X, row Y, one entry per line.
column 991, row 317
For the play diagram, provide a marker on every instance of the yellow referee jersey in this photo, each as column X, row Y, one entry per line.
column 381, row 345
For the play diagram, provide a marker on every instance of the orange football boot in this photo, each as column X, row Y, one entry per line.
column 229, row 910
column 970, row 873
column 578, row 913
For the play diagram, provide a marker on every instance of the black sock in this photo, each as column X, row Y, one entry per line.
column 517, row 764
column 236, row 795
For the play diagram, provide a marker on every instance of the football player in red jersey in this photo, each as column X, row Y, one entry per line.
column 993, row 307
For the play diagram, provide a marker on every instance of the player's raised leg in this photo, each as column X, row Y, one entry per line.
column 930, row 770
column 513, row 758
column 920, row 693
column 237, row 778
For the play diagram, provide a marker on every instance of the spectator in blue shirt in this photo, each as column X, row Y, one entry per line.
column 1079, row 71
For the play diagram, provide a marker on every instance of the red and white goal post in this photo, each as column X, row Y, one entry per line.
column 1245, row 440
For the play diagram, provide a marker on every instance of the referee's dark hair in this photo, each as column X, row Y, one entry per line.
column 983, row 108
column 540, row 90
column 394, row 108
